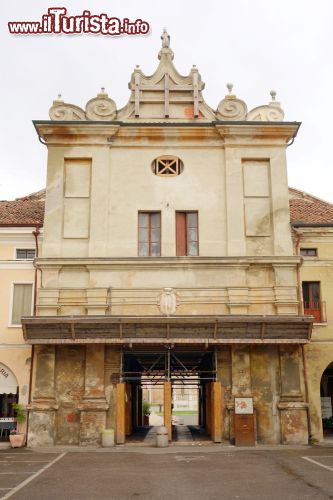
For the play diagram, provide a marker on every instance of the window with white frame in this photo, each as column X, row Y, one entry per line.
column 25, row 253
column 21, row 302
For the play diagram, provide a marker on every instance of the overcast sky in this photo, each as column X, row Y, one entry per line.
column 258, row 45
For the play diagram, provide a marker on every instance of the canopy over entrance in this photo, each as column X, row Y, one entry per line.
column 124, row 330
column 8, row 382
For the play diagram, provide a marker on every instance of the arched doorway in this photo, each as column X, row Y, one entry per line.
column 8, row 396
column 326, row 395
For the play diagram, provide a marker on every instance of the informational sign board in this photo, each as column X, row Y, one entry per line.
column 326, row 407
column 244, row 406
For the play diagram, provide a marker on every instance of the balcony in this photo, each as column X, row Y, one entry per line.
column 317, row 309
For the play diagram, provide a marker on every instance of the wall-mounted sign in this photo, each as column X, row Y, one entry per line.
column 244, row 406
column 8, row 382
column 326, row 407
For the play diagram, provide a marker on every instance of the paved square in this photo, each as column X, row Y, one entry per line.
column 175, row 473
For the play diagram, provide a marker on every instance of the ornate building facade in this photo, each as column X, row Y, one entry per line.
column 167, row 252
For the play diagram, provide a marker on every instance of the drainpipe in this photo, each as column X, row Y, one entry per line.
column 298, row 274
column 35, row 233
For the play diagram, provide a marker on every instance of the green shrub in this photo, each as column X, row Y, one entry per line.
column 20, row 413
column 146, row 408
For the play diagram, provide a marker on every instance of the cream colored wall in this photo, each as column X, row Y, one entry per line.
column 97, row 183
column 101, row 220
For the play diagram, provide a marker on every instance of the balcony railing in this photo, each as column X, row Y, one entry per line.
column 317, row 309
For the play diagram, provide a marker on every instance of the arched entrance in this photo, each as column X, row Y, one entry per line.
column 8, row 396
column 326, row 395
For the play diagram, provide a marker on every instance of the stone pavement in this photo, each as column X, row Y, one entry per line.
column 175, row 473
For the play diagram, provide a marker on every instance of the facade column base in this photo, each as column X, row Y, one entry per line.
column 294, row 423
column 92, row 420
column 42, row 415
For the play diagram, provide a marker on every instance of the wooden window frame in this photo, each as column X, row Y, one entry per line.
column 164, row 170
column 149, row 213
column 312, row 309
column 186, row 254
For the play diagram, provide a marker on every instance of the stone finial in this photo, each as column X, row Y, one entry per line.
column 272, row 112
column 273, row 95
column 230, row 86
column 165, row 37
column 58, row 100
column 102, row 93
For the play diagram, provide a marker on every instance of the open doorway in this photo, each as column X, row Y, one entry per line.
column 170, row 387
column 326, row 395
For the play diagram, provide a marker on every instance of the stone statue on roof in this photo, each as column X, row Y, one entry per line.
column 165, row 37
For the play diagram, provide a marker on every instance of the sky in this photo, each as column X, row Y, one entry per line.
column 258, row 45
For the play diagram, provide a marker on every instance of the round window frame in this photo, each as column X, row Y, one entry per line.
column 167, row 157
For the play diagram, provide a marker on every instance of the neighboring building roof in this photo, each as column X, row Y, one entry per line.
column 26, row 211
column 307, row 210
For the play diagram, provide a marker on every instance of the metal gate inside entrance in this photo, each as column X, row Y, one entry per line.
column 169, row 369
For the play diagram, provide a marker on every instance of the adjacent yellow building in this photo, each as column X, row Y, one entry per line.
column 21, row 223
column 312, row 222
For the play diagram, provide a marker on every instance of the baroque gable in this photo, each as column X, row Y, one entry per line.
column 166, row 96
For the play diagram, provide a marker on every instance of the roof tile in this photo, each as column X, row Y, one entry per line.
column 29, row 210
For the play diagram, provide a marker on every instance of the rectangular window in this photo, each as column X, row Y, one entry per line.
column 149, row 234
column 187, row 238
column 25, row 253
column 22, row 300
column 311, row 299
column 309, row 252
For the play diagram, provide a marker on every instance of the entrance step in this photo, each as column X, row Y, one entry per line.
column 181, row 434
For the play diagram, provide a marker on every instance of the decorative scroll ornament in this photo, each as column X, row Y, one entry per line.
column 101, row 107
column 168, row 301
column 60, row 111
column 265, row 114
column 231, row 108
column 269, row 113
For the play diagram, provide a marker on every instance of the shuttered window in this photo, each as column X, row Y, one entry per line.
column 187, row 237
column 22, row 300
column 149, row 234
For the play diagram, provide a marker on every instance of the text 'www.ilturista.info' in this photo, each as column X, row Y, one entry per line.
column 56, row 21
